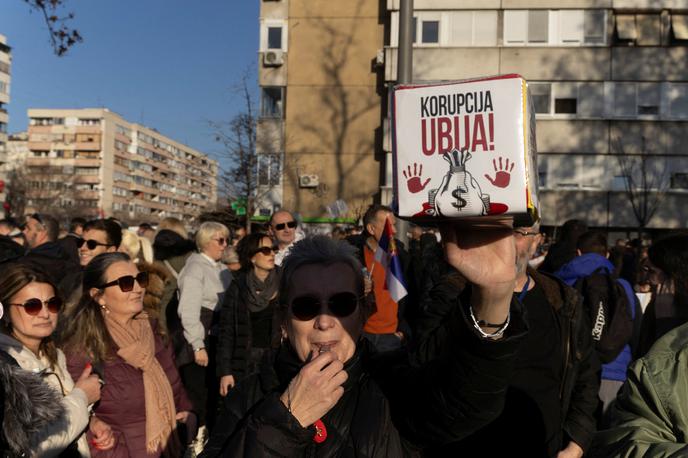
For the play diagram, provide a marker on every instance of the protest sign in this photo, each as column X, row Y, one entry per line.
column 465, row 149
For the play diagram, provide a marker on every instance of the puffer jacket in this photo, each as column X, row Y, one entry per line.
column 583, row 266
column 390, row 408
column 58, row 436
column 29, row 406
column 580, row 382
column 650, row 416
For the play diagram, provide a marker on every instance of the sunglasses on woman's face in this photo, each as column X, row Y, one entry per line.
column 266, row 250
column 282, row 226
column 221, row 240
column 126, row 283
column 91, row 244
column 341, row 305
column 34, row 305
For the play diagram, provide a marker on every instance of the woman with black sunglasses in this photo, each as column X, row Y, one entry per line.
column 31, row 314
column 325, row 392
column 142, row 398
column 248, row 309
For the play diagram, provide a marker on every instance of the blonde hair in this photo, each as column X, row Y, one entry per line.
column 207, row 231
column 174, row 225
column 131, row 244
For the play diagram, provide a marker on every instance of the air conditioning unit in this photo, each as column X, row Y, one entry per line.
column 273, row 58
column 309, row 181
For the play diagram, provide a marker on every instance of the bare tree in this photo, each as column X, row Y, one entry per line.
column 62, row 37
column 239, row 179
column 646, row 183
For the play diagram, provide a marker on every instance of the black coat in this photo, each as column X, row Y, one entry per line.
column 580, row 366
column 389, row 409
column 235, row 339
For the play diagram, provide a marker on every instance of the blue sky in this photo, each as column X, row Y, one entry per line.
column 168, row 64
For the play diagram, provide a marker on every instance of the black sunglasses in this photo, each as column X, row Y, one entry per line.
column 266, row 250
column 341, row 305
column 90, row 243
column 282, row 226
column 34, row 306
column 126, row 283
column 222, row 240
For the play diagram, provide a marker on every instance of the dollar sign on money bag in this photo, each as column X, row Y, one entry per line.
column 459, row 194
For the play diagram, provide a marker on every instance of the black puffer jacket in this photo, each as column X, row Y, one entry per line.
column 389, row 409
column 235, row 339
column 580, row 383
column 29, row 405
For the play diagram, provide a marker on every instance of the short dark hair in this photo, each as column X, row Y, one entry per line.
column 49, row 223
column 146, row 226
column 112, row 230
column 592, row 242
column 76, row 222
column 372, row 211
column 247, row 247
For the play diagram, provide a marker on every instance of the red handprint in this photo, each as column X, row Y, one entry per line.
column 413, row 177
column 503, row 176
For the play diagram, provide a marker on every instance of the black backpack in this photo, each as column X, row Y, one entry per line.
column 605, row 301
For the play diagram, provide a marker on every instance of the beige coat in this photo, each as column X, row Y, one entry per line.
column 59, row 435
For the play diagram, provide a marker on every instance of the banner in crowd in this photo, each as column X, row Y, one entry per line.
column 465, row 149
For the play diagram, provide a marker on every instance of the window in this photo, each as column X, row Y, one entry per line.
column 271, row 103
column 4, row 87
column 648, row 98
column 274, row 37
column 473, row 28
column 566, row 98
column 540, row 94
column 555, row 27
column 678, row 100
column 89, row 121
column 620, row 183
column 624, row 99
column 269, row 169
column 538, row 26
column 679, row 27
column 679, row 181
column 430, row 32
column 86, row 170
column 625, row 28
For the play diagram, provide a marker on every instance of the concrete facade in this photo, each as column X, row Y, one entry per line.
column 329, row 127
column 95, row 163
column 5, row 66
column 609, row 77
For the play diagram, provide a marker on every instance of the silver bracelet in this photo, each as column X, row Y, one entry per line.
column 498, row 333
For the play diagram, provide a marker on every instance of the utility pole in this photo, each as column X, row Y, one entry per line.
column 405, row 75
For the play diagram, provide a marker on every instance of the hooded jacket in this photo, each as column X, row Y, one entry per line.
column 53, row 438
column 583, row 266
column 650, row 416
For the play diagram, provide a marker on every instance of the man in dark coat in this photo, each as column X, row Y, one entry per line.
column 45, row 251
column 552, row 397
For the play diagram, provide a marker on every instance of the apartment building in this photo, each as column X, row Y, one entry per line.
column 609, row 81
column 93, row 162
column 320, row 127
column 608, row 78
column 5, row 62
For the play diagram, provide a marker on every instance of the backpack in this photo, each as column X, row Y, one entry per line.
column 606, row 303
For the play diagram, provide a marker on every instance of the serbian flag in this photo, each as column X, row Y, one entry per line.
column 388, row 256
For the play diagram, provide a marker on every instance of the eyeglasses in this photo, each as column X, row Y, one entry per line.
column 91, row 244
column 266, row 250
column 34, row 305
column 282, row 226
column 341, row 305
column 222, row 240
column 525, row 233
column 126, row 283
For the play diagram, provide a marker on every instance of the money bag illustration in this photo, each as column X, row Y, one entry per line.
column 459, row 193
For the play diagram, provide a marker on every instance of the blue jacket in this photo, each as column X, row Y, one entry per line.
column 583, row 266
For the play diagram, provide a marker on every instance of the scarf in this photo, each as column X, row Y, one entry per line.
column 137, row 348
column 259, row 293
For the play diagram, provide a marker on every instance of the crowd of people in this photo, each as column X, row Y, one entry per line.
column 158, row 341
